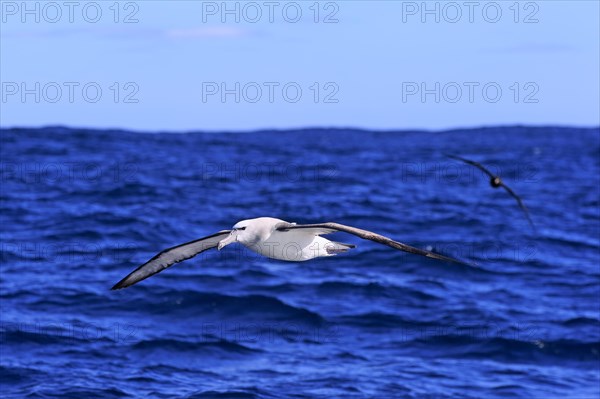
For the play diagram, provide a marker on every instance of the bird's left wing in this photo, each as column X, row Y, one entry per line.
column 314, row 229
column 169, row 257
column 326, row 228
column 520, row 202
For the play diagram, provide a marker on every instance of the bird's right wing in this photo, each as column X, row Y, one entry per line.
column 476, row 164
column 169, row 257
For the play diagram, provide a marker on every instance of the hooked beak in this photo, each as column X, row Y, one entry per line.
column 232, row 238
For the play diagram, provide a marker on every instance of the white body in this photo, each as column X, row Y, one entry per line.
column 260, row 235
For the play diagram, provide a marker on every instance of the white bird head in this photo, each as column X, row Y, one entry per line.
column 238, row 233
column 250, row 231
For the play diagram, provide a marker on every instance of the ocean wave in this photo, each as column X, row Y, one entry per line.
column 19, row 375
column 380, row 320
column 582, row 321
column 247, row 393
column 225, row 306
column 76, row 392
column 174, row 345
column 507, row 350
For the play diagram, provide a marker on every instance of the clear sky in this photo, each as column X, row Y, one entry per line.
column 193, row 65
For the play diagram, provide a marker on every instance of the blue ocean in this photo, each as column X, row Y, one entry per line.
column 83, row 208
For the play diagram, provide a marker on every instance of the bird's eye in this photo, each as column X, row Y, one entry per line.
column 241, row 228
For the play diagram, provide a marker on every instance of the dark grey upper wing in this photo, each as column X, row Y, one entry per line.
column 476, row 164
column 369, row 235
column 169, row 257
column 521, row 204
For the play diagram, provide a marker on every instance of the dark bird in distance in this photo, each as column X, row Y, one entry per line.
column 495, row 182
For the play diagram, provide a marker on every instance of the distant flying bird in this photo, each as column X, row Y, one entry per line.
column 496, row 182
column 273, row 238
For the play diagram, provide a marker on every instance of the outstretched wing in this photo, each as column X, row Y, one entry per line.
column 326, row 228
column 521, row 204
column 169, row 257
column 476, row 164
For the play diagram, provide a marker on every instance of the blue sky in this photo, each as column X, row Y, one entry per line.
column 382, row 65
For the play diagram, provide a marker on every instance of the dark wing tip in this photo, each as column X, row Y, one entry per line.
column 133, row 278
column 129, row 280
column 449, row 259
column 120, row 285
column 456, row 157
column 467, row 263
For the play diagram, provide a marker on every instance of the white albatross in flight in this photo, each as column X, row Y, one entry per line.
column 273, row 238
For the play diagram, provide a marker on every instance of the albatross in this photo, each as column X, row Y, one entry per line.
column 273, row 238
column 496, row 182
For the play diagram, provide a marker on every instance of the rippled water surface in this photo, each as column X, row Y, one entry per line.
column 81, row 209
